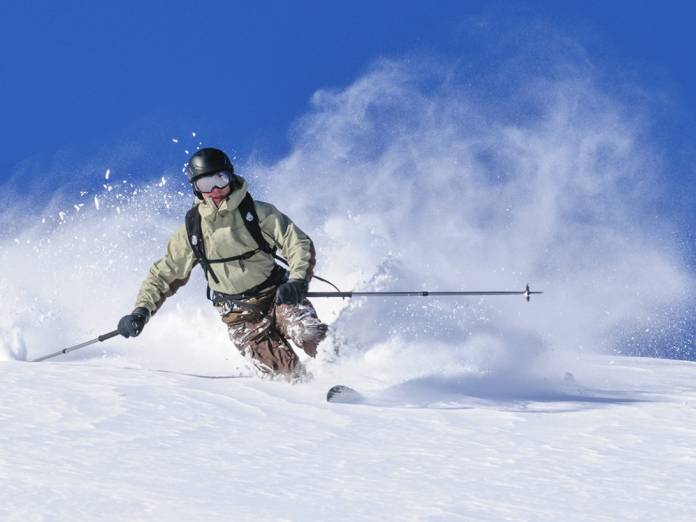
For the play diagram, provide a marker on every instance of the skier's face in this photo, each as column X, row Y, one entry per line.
column 218, row 194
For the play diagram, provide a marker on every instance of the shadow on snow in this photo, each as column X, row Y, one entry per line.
column 510, row 393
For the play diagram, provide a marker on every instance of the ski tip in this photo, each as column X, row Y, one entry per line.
column 344, row 394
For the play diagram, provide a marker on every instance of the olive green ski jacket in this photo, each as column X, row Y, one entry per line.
column 224, row 236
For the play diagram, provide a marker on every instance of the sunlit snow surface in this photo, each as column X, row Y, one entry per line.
column 477, row 408
column 94, row 441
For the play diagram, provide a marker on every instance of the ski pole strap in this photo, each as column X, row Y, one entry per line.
column 326, row 281
column 286, row 265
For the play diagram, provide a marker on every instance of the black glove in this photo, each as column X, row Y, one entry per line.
column 291, row 292
column 132, row 324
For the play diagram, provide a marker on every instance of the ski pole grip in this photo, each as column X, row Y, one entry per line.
column 108, row 336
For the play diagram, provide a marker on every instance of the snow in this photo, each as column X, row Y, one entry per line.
column 93, row 441
column 476, row 409
column 12, row 346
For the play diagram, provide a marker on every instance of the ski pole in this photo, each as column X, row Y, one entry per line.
column 527, row 293
column 78, row 346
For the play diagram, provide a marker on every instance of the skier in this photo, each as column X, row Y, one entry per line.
column 234, row 239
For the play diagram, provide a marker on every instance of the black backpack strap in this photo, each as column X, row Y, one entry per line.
column 250, row 218
column 251, row 221
column 195, row 237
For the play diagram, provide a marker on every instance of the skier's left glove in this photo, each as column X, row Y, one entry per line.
column 132, row 324
column 292, row 292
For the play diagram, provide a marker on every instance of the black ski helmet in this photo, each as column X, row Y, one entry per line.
column 207, row 161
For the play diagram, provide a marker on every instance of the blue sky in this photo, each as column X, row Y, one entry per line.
column 109, row 84
column 77, row 77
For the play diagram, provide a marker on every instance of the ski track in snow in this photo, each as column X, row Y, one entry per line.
column 91, row 441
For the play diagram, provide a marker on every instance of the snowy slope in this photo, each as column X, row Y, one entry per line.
column 92, row 441
column 478, row 409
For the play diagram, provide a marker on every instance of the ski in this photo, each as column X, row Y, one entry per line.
column 344, row 394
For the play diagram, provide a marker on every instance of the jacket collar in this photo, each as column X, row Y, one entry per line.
column 239, row 189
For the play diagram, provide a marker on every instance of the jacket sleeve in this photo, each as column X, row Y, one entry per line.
column 168, row 274
column 295, row 245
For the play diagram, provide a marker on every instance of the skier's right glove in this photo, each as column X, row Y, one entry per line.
column 132, row 324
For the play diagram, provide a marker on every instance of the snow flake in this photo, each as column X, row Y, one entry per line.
column 108, row 173
column 175, row 140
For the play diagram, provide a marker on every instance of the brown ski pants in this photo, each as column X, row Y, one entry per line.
column 261, row 331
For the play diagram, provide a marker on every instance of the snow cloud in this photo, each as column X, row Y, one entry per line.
column 415, row 176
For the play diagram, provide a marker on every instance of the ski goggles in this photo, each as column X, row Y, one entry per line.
column 209, row 182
